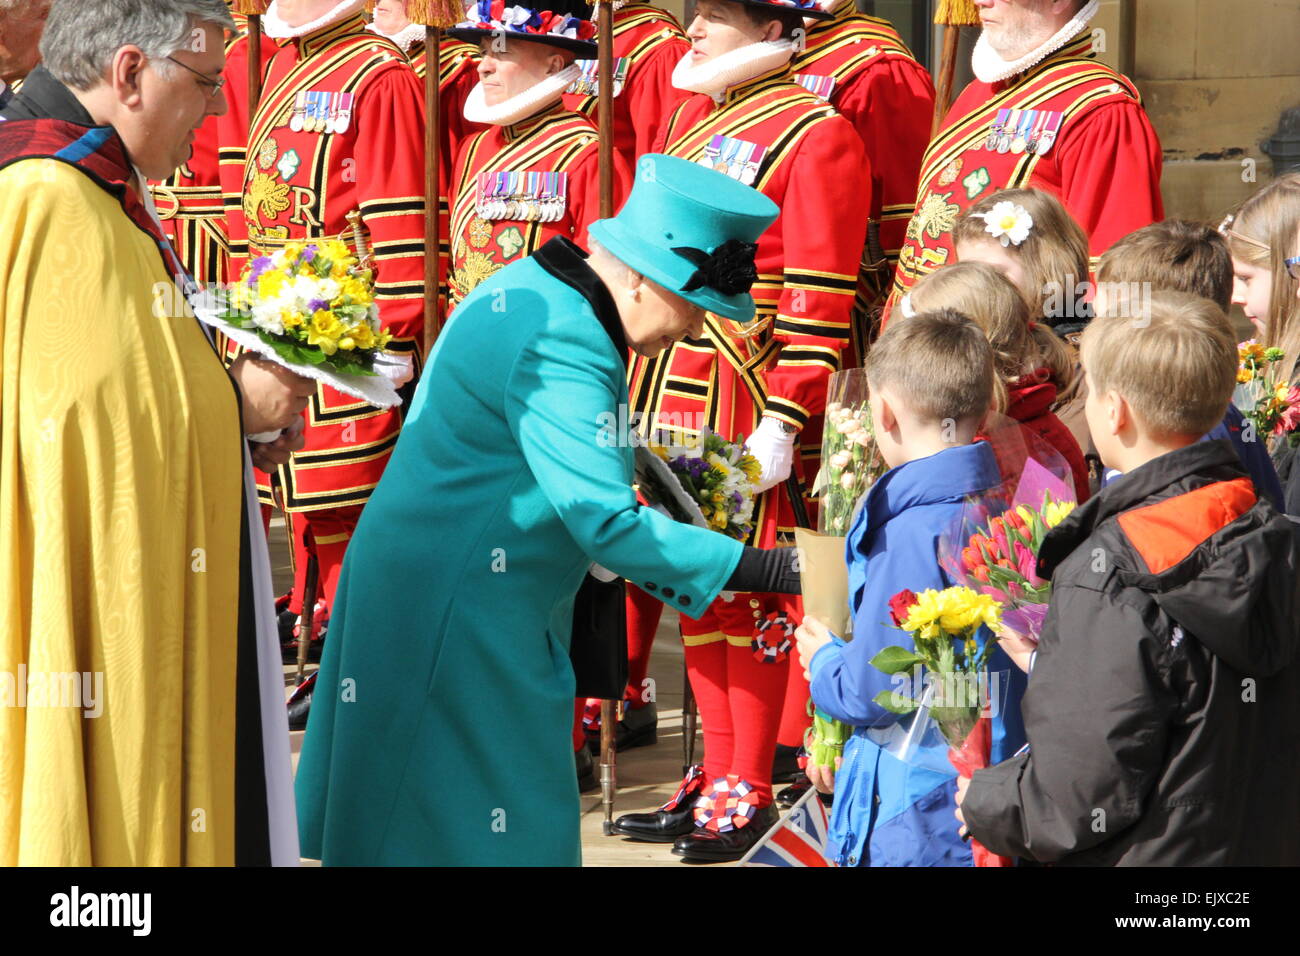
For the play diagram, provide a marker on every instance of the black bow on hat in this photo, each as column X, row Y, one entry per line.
column 728, row 269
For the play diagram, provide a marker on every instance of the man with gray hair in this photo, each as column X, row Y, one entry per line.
column 128, row 527
column 21, row 22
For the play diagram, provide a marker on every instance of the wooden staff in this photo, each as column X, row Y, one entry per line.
column 605, row 129
column 952, row 15
column 253, row 9
column 432, row 185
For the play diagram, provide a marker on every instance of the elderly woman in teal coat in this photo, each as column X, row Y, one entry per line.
column 441, row 729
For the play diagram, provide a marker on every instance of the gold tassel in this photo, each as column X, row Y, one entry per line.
column 957, row 13
column 433, row 13
column 249, row 7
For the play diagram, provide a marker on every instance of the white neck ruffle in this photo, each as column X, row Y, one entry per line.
column 744, row 63
column 989, row 67
column 521, row 105
column 405, row 38
column 277, row 29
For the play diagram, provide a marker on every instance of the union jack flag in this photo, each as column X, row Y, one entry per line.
column 798, row 840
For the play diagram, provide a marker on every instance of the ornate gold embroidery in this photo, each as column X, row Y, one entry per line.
column 480, row 231
column 264, row 194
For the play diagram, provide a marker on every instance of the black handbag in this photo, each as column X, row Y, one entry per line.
column 598, row 649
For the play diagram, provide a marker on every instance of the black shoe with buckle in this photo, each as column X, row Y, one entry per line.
column 638, row 728
column 675, row 818
column 791, row 794
column 708, row 846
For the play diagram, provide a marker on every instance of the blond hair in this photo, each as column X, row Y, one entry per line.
column 1174, row 361
column 1021, row 346
column 1262, row 232
column 939, row 364
column 1054, row 256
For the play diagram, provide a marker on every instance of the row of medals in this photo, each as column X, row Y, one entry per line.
column 1002, row 140
column 522, row 208
column 334, row 118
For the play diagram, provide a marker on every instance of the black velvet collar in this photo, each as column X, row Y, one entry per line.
column 44, row 97
column 564, row 260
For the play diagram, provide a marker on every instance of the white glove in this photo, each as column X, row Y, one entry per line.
column 397, row 367
column 773, row 447
column 603, row 575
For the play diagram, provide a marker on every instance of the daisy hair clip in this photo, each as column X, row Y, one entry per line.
column 1009, row 223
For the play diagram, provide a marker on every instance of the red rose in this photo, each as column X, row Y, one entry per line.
column 900, row 604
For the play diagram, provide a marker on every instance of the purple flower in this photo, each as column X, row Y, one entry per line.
column 260, row 265
column 317, row 304
column 309, row 253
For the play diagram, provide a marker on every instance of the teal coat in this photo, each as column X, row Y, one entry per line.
column 441, row 729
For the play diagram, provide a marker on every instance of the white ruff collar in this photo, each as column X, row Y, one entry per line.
column 405, row 38
column 989, row 67
column 521, row 105
column 277, row 29
column 744, row 63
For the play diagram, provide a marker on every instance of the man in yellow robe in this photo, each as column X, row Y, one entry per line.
column 142, row 714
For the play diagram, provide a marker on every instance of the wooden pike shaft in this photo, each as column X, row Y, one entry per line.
column 432, row 164
column 605, row 131
column 254, row 66
column 947, row 69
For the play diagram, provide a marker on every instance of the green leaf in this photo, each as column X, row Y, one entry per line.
column 895, row 702
column 894, row 659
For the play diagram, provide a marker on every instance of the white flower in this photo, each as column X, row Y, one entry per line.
column 266, row 315
column 1008, row 222
column 846, row 480
column 841, row 459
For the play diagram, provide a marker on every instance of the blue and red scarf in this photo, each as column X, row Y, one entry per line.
column 99, row 153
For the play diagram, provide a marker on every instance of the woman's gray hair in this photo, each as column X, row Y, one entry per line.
column 82, row 36
column 614, row 263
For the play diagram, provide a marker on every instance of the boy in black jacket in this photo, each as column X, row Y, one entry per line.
column 1163, row 710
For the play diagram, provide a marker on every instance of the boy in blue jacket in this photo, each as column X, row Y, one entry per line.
column 931, row 384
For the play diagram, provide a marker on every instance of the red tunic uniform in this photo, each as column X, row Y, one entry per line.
column 861, row 66
column 518, row 186
column 1095, row 149
column 191, row 203
column 340, row 127
column 806, row 159
column 648, row 43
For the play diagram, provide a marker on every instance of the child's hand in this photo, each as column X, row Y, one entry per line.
column 963, row 784
column 823, row 778
column 812, row 635
column 1018, row 647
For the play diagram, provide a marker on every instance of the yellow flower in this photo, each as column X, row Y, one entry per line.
column 363, row 335
column 1056, row 511
column 719, row 518
column 750, row 466
column 325, row 330
column 660, row 450
column 355, row 290
column 271, row 283
column 1243, row 376
column 956, row 611
column 1281, row 391
column 292, row 318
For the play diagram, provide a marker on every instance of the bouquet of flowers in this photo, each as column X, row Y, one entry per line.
column 1270, row 405
column 951, row 640
column 851, row 463
column 310, row 307
column 994, row 548
column 705, row 480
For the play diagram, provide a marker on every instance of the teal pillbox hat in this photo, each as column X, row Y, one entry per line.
column 679, row 205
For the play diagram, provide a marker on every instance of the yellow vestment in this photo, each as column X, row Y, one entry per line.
column 120, row 496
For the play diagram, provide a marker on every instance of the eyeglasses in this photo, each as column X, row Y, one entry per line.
column 1293, row 267
column 214, row 85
